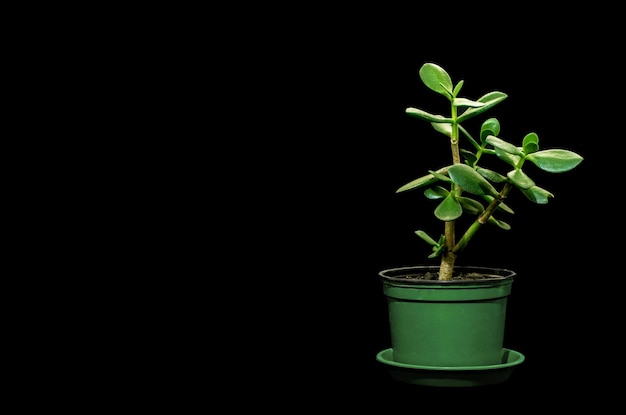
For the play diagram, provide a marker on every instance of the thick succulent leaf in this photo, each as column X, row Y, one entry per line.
column 520, row 179
column 500, row 144
column 439, row 174
column 437, row 246
column 443, row 128
column 471, row 206
column 437, row 79
column 505, row 208
column 457, row 88
column 427, row 238
column 501, row 206
column 508, row 158
column 489, row 127
column 449, row 209
column 555, row 160
column 469, row 137
column 464, row 102
column 537, row 195
column 490, row 99
column 498, row 223
column 469, row 157
column 491, row 175
column 530, row 143
column 423, row 115
column 470, row 180
column 436, row 192
column 437, row 250
column 420, row 182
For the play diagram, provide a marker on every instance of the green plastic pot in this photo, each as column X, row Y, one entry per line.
column 447, row 325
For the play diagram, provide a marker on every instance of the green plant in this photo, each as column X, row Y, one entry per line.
column 472, row 189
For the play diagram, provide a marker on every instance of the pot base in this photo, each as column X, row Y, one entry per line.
column 459, row 376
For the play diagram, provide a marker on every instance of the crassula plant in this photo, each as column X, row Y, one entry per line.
column 465, row 187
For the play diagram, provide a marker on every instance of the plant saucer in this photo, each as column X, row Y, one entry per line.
column 460, row 376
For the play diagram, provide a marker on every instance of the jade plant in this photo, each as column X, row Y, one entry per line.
column 465, row 186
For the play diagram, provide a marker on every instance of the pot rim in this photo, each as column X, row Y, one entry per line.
column 398, row 274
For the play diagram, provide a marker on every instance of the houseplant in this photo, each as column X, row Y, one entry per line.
column 447, row 321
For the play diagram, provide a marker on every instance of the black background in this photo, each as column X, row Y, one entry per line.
column 323, row 143
column 237, row 227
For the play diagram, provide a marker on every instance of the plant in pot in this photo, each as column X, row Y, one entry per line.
column 446, row 320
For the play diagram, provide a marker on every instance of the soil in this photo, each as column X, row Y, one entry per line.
column 459, row 276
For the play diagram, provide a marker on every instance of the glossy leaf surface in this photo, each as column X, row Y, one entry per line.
column 490, row 100
column 500, row 144
column 464, row 102
column 436, row 78
column 443, row 128
column 491, row 175
column 421, row 114
column 449, row 209
column 436, row 192
column 530, row 143
column 501, row 206
column 470, row 180
column 489, row 127
column 555, row 160
column 470, row 205
column 500, row 224
column 520, row 179
column 419, row 182
column 537, row 195
column 426, row 238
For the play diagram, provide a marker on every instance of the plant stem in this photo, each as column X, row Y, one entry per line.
column 447, row 265
column 483, row 218
column 448, row 257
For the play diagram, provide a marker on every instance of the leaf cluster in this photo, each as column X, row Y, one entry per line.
column 465, row 186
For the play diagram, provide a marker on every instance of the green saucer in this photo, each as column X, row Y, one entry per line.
column 459, row 376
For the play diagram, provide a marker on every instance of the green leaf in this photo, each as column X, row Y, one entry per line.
column 437, row 246
column 449, row 209
column 437, row 79
column 489, row 127
column 501, row 206
column 470, row 138
column 500, row 144
column 555, row 160
column 530, row 143
column 508, row 158
column 436, row 192
column 491, row 175
column 537, row 195
column 423, row 115
column 437, row 250
column 443, row 128
column 471, row 206
column 520, row 179
column 498, row 223
column 469, row 157
column 490, row 100
column 457, row 88
column 427, row 238
column 464, row 102
column 505, row 208
column 417, row 183
column 470, row 180
column 439, row 175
